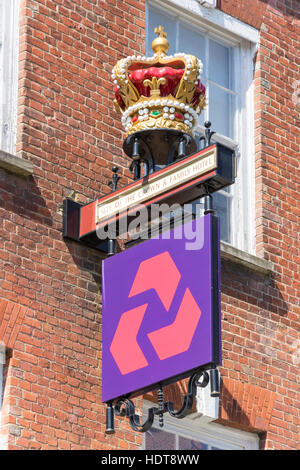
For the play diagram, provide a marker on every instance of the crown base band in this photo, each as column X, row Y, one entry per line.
column 159, row 146
column 160, row 123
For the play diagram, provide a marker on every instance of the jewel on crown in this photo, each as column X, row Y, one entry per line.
column 159, row 92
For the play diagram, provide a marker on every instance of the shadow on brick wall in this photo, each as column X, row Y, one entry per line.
column 89, row 260
column 251, row 291
column 246, row 406
column 24, row 198
column 254, row 12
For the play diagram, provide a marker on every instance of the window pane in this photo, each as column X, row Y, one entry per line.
column 159, row 440
column 189, row 444
column 191, row 42
column 219, row 64
column 220, row 110
column 156, row 19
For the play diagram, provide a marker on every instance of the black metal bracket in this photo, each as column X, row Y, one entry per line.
column 180, row 146
column 139, row 148
column 135, row 168
column 208, row 134
column 208, row 201
column 115, row 178
column 111, row 243
column 137, row 160
column 125, row 407
column 71, row 221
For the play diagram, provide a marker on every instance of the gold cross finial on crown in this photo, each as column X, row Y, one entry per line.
column 160, row 45
column 160, row 31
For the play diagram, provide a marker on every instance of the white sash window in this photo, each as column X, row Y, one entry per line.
column 9, row 50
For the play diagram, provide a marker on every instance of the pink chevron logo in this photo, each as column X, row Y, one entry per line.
column 161, row 274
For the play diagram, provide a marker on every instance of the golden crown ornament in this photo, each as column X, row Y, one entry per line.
column 160, row 99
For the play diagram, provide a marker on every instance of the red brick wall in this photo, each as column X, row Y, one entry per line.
column 249, row 12
column 277, row 206
column 261, row 314
column 68, row 128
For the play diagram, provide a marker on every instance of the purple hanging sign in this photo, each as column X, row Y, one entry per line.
column 161, row 309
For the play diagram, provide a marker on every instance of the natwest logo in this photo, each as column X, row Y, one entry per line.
column 159, row 274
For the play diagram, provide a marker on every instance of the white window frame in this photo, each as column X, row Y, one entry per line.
column 208, row 3
column 211, row 434
column 9, row 52
column 244, row 40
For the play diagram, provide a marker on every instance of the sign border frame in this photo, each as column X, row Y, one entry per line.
column 215, row 319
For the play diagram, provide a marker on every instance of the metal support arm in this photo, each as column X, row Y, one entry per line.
column 188, row 399
column 125, row 407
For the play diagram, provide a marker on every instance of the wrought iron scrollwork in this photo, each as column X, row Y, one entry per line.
column 126, row 408
column 188, row 399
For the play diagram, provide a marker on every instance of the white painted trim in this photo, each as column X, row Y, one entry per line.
column 221, row 139
column 209, row 433
column 243, row 189
column 9, row 51
column 208, row 3
column 228, row 252
column 206, row 405
column 15, row 164
column 211, row 19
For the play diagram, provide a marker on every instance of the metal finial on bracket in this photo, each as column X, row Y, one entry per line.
column 208, row 201
column 135, row 166
column 115, row 178
column 208, row 134
column 110, row 429
column 111, row 250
